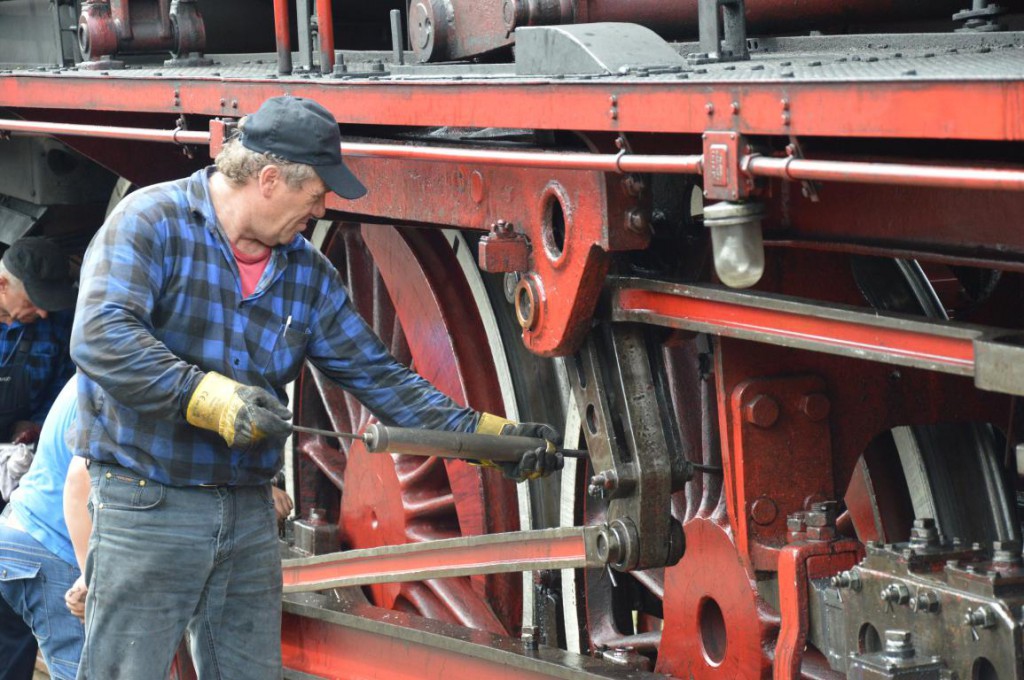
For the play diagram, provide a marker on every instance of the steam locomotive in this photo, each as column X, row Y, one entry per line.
column 760, row 258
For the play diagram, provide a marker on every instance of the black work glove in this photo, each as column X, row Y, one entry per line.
column 245, row 416
column 533, row 463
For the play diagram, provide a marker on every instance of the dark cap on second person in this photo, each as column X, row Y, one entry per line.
column 44, row 270
column 302, row 131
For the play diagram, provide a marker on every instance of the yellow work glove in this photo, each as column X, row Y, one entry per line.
column 533, row 463
column 243, row 415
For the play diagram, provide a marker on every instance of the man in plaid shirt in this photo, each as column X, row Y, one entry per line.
column 200, row 301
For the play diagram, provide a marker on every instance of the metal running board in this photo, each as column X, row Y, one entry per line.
column 563, row 548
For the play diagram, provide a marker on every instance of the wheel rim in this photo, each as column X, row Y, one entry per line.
column 406, row 284
column 940, row 465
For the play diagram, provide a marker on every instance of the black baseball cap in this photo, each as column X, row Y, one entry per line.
column 302, row 131
column 43, row 268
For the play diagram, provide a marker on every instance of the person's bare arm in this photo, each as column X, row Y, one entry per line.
column 76, row 511
column 76, row 516
column 282, row 503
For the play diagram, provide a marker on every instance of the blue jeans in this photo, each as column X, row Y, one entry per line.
column 32, row 585
column 163, row 560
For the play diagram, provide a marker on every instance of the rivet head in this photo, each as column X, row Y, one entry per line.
column 109, row 475
column 142, row 482
column 100, row 506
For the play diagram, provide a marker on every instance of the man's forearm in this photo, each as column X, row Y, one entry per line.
column 76, row 510
column 106, row 342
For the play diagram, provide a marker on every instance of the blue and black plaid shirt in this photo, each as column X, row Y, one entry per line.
column 161, row 304
column 47, row 364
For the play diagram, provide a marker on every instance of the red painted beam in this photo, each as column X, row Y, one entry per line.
column 345, row 640
column 983, row 110
column 763, row 318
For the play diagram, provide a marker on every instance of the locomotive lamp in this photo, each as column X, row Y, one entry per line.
column 736, row 242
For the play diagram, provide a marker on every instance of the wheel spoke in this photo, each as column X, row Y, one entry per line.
column 407, row 286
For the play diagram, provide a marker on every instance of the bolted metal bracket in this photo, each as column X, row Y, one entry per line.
column 504, row 249
column 724, row 178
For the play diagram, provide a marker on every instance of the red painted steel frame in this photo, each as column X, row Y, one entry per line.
column 919, row 110
column 366, row 642
column 956, row 355
column 336, row 652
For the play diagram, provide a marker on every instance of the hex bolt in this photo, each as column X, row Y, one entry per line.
column 924, row 534
column 822, row 514
column 762, row 411
column 895, row 593
column 1006, row 553
column 530, row 637
column 982, row 617
column 898, row 644
column 633, row 185
column 848, row 579
column 795, row 522
column 821, row 533
column 604, row 481
column 637, row 221
column 815, row 406
column 925, row 602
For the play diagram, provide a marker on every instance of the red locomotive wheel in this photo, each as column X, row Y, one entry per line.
column 410, row 287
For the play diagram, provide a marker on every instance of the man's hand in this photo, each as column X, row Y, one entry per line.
column 243, row 415
column 282, row 503
column 25, row 432
column 533, row 463
column 74, row 599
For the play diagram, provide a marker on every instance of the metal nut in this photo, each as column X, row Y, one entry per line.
column 762, row 411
